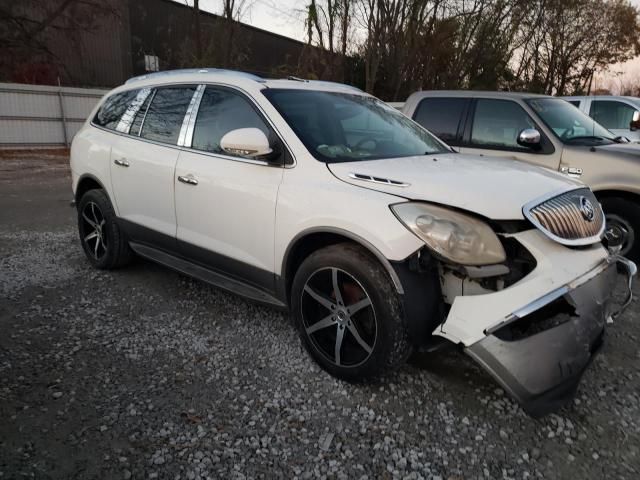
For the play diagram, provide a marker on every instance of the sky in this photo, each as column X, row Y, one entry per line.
column 286, row 17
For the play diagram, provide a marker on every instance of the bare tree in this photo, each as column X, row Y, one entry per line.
column 25, row 25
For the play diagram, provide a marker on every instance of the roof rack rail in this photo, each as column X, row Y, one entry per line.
column 218, row 71
column 324, row 82
column 338, row 84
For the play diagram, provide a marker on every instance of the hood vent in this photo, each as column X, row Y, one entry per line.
column 379, row 180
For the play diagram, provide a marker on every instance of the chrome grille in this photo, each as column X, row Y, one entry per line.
column 571, row 218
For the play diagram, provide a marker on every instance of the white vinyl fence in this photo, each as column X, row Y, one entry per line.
column 39, row 116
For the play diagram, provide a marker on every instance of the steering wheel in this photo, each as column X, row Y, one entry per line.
column 358, row 145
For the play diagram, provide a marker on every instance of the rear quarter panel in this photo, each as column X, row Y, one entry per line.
column 90, row 156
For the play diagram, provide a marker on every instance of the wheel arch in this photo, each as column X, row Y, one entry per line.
column 85, row 183
column 632, row 197
column 313, row 239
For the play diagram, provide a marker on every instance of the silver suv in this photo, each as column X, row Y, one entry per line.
column 545, row 131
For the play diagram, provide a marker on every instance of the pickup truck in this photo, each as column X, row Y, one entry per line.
column 545, row 131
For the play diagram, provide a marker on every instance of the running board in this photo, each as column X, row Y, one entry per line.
column 208, row 276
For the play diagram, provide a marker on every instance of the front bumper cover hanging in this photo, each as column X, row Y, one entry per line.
column 542, row 371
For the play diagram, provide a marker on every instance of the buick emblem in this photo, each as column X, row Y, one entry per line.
column 587, row 210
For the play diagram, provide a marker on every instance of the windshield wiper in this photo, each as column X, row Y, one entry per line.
column 588, row 137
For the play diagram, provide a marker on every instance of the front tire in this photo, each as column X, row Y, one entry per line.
column 103, row 242
column 625, row 216
column 348, row 313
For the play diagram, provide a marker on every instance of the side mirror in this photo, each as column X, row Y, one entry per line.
column 529, row 137
column 635, row 122
column 249, row 143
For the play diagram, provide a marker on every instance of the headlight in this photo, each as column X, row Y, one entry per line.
column 457, row 237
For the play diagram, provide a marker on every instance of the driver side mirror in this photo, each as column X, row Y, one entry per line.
column 529, row 137
column 635, row 122
column 250, row 143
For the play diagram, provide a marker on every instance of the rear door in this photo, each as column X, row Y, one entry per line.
column 444, row 117
column 226, row 204
column 143, row 162
column 493, row 129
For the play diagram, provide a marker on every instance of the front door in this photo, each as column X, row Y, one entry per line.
column 226, row 204
column 495, row 126
column 614, row 115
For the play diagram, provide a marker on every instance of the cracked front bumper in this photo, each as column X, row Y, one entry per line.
column 542, row 371
column 537, row 337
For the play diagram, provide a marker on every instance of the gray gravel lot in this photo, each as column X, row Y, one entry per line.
column 144, row 373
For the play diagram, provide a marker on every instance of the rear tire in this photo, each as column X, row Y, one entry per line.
column 625, row 215
column 103, row 242
column 358, row 332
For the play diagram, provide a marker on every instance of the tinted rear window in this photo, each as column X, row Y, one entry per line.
column 113, row 108
column 166, row 114
column 441, row 116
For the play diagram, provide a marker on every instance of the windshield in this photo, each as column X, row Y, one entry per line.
column 569, row 124
column 342, row 127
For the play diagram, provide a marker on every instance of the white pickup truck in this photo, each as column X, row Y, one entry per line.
column 621, row 115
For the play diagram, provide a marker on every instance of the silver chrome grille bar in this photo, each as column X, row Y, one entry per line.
column 571, row 218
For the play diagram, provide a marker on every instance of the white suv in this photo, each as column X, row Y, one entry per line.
column 380, row 240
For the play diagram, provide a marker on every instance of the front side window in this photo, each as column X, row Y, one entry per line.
column 570, row 124
column 611, row 114
column 166, row 113
column 222, row 110
column 344, row 127
column 113, row 109
column 497, row 123
column 442, row 116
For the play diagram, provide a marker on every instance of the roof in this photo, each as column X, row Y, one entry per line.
column 235, row 77
column 478, row 93
column 603, row 97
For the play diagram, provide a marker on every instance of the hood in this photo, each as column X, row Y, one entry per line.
column 626, row 148
column 492, row 187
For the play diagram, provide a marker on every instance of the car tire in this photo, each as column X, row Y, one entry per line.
column 626, row 215
column 358, row 333
column 102, row 240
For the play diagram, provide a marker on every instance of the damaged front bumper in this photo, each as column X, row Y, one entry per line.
column 542, row 346
column 541, row 367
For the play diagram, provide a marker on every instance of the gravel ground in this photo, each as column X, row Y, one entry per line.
column 144, row 373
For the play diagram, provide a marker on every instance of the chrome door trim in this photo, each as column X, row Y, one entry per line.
column 188, row 115
column 192, row 113
column 124, row 125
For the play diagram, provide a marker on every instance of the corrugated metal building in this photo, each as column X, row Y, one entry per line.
column 114, row 47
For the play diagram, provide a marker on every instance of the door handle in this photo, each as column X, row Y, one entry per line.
column 189, row 180
column 122, row 162
column 572, row 171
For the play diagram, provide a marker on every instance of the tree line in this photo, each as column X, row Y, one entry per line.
column 387, row 47
column 394, row 47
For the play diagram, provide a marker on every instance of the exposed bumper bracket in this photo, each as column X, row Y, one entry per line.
column 630, row 269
